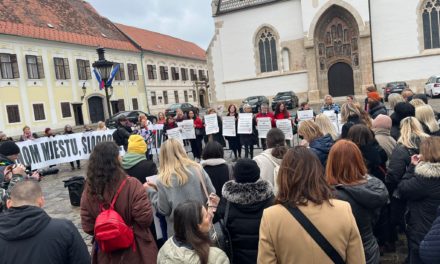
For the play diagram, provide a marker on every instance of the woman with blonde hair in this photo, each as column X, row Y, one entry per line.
column 179, row 180
column 425, row 114
column 393, row 100
column 417, row 102
column 326, row 126
column 313, row 137
column 353, row 114
column 101, row 126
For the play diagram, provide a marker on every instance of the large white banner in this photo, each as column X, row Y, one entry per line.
column 245, row 123
column 264, row 124
column 285, row 125
column 43, row 152
column 229, row 126
column 211, row 124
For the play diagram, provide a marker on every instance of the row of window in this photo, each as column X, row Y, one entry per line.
column 35, row 70
column 176, row 74
column 163, row 98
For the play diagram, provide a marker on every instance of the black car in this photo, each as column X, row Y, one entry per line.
column 393, row 87
column 186, row 107
column 289, row 99
column 255, row 102
column 132, row 116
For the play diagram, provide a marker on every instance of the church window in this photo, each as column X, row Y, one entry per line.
column 267, row 50
column 431, row 24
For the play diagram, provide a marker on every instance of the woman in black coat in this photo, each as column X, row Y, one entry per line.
column 249, row 140
column 421, row 188
column 430, row 246
column 401, row 111
column 241, row 207
column 234, row 142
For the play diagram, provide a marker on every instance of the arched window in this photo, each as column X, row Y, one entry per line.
column 431, row 24
column 267, row 49
column 286, row 59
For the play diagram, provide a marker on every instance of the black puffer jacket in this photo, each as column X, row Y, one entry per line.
column 219, row 172
column 321, row 147
column 427, row 131
column 366, row 201
column 247, row 202
column 375, row 159
column 29, row 235
column 430, row 246
column 399, row 161
column 351, row 121
column 379, row 109
column 421, row 188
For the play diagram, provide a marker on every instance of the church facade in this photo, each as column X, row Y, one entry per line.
column 319, row 47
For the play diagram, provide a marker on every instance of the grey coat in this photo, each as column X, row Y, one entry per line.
column 166, row 199
column 385, row 140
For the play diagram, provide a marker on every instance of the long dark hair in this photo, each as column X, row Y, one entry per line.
column 213, row 150
column 195, row 115
column 277, row 109
column 301, row 179
column 361, row 135
column 104, row 170
column 187, row 218
column 277, row 141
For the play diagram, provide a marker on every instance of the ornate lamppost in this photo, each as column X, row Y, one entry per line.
column 104, row 67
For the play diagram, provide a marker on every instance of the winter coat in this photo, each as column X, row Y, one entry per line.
column 427, row 131
column 247, row 202
column 136, row 165
column 219, row 136
column 351, row 121
column 135, row 208
column 4, row 162
column 395, row 125
column 430, row 246
column 171, row 253
column 321, row 147
column 121, row 135
column 334, row 107
column 250, row 139
column 385, row 140
column 366, row 200
column 166, row 199
column 283, row 240
column 219, row 172
column 29, row 235
column 266, row 162
column 375, row 159
column 420, row 187
column 400, row 160
column 379, row 109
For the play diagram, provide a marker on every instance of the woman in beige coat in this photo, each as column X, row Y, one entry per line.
column 302, row 185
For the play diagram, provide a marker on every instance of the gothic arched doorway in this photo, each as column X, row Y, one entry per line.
column 340, row 80
column 96, row 109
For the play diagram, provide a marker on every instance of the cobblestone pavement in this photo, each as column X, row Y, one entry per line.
column 58, row 203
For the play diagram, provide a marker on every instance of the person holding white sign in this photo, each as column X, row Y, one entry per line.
column 234, row 142
column 313, row 137
column 170, row 124
column 219, row 135
column 264, row 113
column 282, row 113
column 250, row 139
column 196, row 144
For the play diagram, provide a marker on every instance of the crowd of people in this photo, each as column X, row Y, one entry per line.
column 339, row 196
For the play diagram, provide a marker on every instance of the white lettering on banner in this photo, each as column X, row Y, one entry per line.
column 245, row 123
column 304, row 115
column 229, row 126
column 43, row 152
column 211, row 124
column 187, row 129
column 264, row 124
column 285, row 125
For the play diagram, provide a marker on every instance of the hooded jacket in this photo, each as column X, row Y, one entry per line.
column 219, row 172
column 375, row 159
column 136, row 165
column 29, row 235
column 321, row 147
column 420, row 186
column 379, row 109
column 430, row 246
column 366, row 201
column 247, row 202
column 399, row 161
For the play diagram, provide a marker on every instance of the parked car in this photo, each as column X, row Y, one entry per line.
column 289, row 99
column 393, row 87
column 432, row 86
column 255, row 102
column 132, row 116
column 186, row 107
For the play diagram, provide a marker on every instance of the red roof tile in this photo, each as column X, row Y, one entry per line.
column 156, row 42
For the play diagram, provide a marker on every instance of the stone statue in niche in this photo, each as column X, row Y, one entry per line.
column 354, row 44
column 340, row 35
column 334, row 31
column 321, row 49
column 328, row 39
column 322, row 63
column 346, row 36
column 330, row 52
column 355, row 60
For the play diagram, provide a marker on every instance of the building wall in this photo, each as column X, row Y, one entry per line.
column 51, row 92
column 158, row 86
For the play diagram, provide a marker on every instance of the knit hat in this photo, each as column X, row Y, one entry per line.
column 8, row 148
column 374, row 96
column 246, row 171
column 136, row 144
column 404, row 109
column 382, row 121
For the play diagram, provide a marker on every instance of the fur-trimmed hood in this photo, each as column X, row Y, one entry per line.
column 247, row 193
column 212, row 162
column 428, row 169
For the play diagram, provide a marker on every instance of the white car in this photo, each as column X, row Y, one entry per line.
column 432, row 86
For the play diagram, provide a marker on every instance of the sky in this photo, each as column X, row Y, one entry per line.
column 190, row 20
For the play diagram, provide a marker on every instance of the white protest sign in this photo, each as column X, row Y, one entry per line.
column 244, row 123
column 211, row 124
column 264, row 124
column 43, row 152
column 229, row 126
column 335, row 119
column 304, row 115
column 188, row 130
column 285, row 125
column 175, row 133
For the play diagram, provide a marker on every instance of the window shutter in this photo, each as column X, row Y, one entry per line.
column 130, row 71
column 57, row 73
column 88, row 72
column 66, row 68
column 78, row 68
column 14, row 64
column 135, row 72
column 40, row 67
column 27, row 66
column 122, row 71
column 121, row 105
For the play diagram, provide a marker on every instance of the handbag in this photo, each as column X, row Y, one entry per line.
column 315, row 234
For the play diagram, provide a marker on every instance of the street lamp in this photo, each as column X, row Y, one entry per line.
column 84, row 91
column 104, row 67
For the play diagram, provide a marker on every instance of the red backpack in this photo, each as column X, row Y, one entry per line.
column 111, row 231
